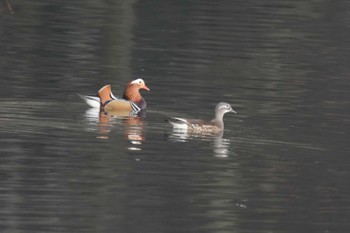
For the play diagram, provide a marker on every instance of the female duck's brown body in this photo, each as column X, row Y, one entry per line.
column 203, row 126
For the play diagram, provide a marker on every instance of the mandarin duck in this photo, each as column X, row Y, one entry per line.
column 203, row 126
column 132, row 100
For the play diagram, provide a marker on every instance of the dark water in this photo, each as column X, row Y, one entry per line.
column 282, row 164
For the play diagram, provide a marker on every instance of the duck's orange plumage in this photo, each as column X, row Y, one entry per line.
column 131, row 97
column 131, row 101
column 105, row 94
column 132, row 92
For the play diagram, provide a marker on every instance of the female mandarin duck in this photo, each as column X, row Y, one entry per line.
column 131, row 101
column 202, row 126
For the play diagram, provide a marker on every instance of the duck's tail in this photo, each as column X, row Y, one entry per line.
column 92, row 101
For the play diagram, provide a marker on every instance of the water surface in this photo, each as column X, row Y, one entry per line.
column 281, row 164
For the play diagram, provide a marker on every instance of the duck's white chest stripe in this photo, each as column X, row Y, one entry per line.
column 135, row 107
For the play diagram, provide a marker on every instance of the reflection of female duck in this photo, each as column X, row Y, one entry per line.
column 220, row 145
column 132, row 100
column 202, row 126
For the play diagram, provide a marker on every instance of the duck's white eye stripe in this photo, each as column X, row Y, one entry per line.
column 137, row 81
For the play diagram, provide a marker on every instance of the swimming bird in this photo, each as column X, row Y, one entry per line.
column 202, row 126
column 131, row 101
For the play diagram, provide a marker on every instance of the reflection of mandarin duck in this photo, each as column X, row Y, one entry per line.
column 103, row 126
column 201, row 126
column 134, row 129
column 132, row 126
column 132, row 100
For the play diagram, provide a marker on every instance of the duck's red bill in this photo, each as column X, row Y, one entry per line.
column 145, row 87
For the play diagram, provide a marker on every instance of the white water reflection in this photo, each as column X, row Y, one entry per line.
column 221, row 147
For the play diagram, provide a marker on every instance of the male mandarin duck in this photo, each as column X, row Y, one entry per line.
column 203, row 126
column 131, row 101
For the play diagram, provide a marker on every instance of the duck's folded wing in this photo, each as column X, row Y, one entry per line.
column 121, row 105
column 179, row 120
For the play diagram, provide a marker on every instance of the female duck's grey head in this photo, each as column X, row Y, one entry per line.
column 220, row 110
column 223, row 108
